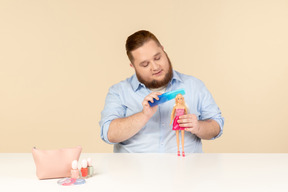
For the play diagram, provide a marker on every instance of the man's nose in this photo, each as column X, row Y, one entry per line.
column 154, row 66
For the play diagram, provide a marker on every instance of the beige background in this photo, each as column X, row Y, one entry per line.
column 58, row 59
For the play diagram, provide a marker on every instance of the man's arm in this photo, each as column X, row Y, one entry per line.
column 122, row 129
column 208, row 129
column 210, row 123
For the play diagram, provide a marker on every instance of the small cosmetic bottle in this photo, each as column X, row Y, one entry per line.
column 90, row 167
column 84, row 169
column 75, row 171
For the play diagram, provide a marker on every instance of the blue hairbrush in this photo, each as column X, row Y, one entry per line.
column 166, row 97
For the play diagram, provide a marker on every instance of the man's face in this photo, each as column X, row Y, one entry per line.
column 152, row 65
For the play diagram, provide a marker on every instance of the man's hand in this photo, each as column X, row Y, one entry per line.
column 206, row 129
column 147, row 110
column 190, row 122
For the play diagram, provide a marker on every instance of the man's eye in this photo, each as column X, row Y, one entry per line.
column 145, row 64
column 157, row 58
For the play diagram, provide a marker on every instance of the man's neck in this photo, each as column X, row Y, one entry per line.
column 160, row 89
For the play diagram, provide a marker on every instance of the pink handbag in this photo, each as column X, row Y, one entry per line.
column 55, row 163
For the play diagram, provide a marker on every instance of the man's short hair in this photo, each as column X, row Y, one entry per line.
column 137, row 39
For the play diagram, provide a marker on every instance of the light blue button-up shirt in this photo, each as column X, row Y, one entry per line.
column 125, row 99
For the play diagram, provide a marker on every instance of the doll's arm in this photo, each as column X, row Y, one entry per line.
column 172, row 115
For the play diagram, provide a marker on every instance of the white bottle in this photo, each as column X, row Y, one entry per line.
column 75, row 171
column 90, row 168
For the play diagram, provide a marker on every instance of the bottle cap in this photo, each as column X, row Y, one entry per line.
column 89, row 162
column 75, row 164
column 84, row 163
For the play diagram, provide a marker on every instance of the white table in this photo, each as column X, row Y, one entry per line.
column 157, row 172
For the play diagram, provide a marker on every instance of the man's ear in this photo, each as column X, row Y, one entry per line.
column 131, row 65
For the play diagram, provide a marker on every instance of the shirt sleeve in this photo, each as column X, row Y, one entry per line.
column 209, row 109
column 113, row 109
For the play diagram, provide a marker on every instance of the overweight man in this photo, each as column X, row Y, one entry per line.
column 132, row 126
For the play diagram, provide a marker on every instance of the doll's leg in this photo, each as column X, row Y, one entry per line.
column 182, row 139
column 177, row 138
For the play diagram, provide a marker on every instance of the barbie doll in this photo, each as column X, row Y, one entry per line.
column 178, row 110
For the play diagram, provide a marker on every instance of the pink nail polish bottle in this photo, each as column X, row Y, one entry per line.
column 90, row 167
column 84, row 169
column 75, row 171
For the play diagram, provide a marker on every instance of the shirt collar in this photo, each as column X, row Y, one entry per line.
column 176, row 76
column 136, row 85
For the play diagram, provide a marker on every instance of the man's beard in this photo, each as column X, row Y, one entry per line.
column 154, row 84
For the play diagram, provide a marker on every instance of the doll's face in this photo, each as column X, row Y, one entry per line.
column 179, row 99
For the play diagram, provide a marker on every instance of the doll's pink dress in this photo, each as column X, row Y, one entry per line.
column 176, row 126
